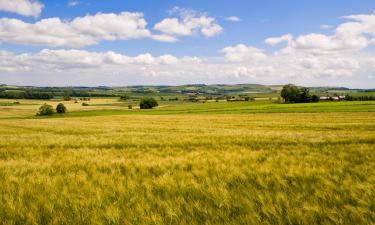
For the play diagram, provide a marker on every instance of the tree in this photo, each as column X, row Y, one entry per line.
column 315, row 98
column 148, row 103
column 61, row 108
column 290, row 93
column 304, row 95
column 45, row 110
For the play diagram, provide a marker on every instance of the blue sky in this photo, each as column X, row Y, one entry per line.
column 229, row 46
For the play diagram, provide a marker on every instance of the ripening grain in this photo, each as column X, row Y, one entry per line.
column 291, row 168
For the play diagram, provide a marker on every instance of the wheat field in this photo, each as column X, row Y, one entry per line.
column 248, row 168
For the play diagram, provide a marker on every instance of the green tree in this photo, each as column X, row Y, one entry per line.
column 290, row 93
column 45, row 110
column 304, row 95
column 148, row 103
column 315, row 98
column 61, row 108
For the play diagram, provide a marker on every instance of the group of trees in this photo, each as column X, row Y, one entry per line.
column 47, row 110
column 359, row 98
column 148, row 103
column 293, row 94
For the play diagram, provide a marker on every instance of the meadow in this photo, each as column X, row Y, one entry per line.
column 188, row 163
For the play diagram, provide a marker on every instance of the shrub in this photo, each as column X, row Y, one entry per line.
column 130, row 107
column 61, row 108
column 45, row 110
column 148, row 103
column 85, row 104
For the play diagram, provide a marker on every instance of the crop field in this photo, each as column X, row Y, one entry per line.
column 188, row 163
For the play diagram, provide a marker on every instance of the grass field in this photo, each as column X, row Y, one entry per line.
column 188, row 163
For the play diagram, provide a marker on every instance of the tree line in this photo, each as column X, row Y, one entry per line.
column 26, row 95
column 359, row 98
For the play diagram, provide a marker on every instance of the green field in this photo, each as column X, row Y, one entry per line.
column 188, row 163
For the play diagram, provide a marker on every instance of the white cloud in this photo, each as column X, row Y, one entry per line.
column 239, row 63
column 71, row 59
column 233, row 18
column 242, row 53
column 188, row 23
column 22, row 7
column 79, row 32
column 174, row 27
column 355, row 34
column 277, row 40
column 92, row 29
column 164, row 38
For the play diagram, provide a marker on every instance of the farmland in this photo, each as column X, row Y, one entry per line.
column 188, row 163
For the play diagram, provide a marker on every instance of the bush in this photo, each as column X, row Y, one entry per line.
column 130, row 107
column 61, row 108
column 45, row 110
column 85, row 104
column 148, row 103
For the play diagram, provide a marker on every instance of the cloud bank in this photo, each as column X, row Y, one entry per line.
column 22, row 7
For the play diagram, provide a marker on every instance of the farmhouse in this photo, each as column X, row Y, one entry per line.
column 334, row 98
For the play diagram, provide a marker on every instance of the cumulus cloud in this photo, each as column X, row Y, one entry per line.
column 164, row 38
column 188, row 23
column 242, row 53
column 71, row 59
column 357, row 33
column 277, row 40
column 239, row 63
column 92, row 29
column 79, row 32
column 22, row 7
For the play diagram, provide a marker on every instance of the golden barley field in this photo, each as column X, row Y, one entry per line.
column 188, row 168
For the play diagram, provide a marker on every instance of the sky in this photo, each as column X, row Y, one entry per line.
column 128, row 42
